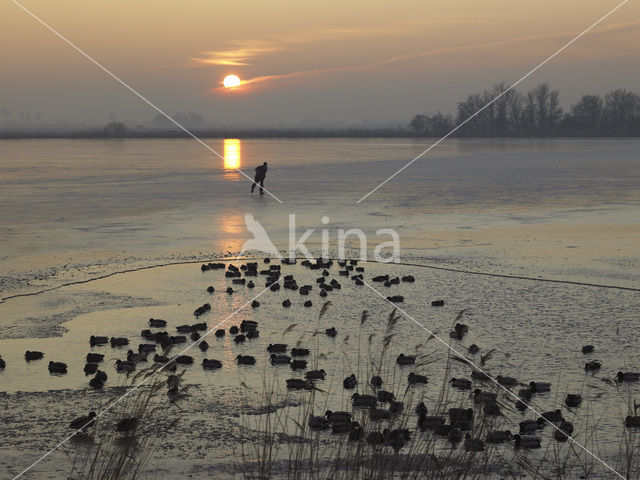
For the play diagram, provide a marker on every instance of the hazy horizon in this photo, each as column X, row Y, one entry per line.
column 328, row 65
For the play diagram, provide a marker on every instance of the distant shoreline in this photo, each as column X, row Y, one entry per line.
column 283, row 133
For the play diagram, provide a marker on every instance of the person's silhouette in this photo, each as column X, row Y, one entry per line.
column 261, row 172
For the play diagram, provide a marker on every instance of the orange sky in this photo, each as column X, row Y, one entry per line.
column 311, row 62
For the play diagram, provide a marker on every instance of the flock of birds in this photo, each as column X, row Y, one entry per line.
column 378, row 406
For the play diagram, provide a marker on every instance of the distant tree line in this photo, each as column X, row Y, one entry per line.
column 536, row 113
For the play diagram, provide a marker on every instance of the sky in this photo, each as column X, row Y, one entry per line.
column 329, row 63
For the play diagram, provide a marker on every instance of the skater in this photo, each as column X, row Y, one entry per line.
column 261, row 172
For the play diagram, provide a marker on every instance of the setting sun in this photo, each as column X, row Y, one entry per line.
column 231, row 81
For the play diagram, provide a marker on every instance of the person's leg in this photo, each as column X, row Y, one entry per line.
column 253, row 185
column 261, row 186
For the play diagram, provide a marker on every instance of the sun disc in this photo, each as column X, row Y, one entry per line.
column 231, row 81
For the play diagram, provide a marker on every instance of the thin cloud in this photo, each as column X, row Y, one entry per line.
column 243, row 52
column 607, row 29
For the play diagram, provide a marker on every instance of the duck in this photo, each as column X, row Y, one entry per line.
column 377, row 414
column 255, row 304
column 29, row 355
column 240, row 338
column 195, row 336
column 316, row 374
column 299, row 384
column 250, row 284
column 408, row 278
column 461, row 417
column 96, row 383
column 491, row 409
column 396, row 299
column 308, row 303
column 396, row 438
column 627, row 376
column 437, row 303
column 248, row 325
column 210, row 289
column 136, row 357
column 338, row 417
column 90, row 368
column 82, row 423
column 403, row 359
column 506, row 381
column 563, row 432
column 478, row 375
column 127, row 424
column 184, row 359
column 298, row 364
column 277, row 348
column 592, row 366
column 158, row 323
column 415, row 379
column 142, row 348
column 350, row 382
column 364, row 400
column 553, row 416
column 279, row 359
column 461, row 383
column 426, row 422
column 184, row 329
column 125, row 366
column 253, row 334
column 245, row 360
column 210, row 364
column 176, row 339
column 355, row 432
column 527, row 441
column 473, row 444
column 484, row 397
column 528, row 426
column 203, row 346
column 323, row 293
column 286, row 303
column 199, row 327
column 454, row 436
column 499, row 436
column 299, row 352
column 473, row 349
column 385, row 396
column 588, row 349
column 234, row 330
column 3, row 364
column 160, row 358
column 94, row 340
column 100, row 375
column 632, row 421
column 220, row 332
column 201, row 310
column 376, row 381
column 375, row 438
column 94, row 357
column 421, row 409
column 573, row 400
column 318, row 423
column 396, row 407
column 331, row 332
column 539, row 387
column 118, row 342
column 57, row 367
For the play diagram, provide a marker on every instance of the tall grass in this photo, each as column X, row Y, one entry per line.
column 112, row 455
column 287, row 448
